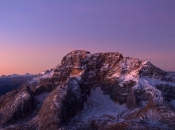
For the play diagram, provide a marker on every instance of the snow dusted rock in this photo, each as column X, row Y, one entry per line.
column 21, row 103
column 94, row 91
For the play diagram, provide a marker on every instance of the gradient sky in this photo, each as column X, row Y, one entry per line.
column 36, row 34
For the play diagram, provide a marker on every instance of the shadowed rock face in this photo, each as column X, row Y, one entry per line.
column 93, row 91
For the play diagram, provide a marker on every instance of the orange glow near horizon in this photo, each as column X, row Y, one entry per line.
column 21, row 61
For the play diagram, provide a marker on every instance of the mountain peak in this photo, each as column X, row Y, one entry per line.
column 94, row 91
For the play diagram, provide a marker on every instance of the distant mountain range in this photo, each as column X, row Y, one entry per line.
column 101, row 91
column 11, row 82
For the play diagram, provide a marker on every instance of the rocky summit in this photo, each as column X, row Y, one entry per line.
column 101, row 91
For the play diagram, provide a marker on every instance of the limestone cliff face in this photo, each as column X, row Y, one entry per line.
column 93, row 91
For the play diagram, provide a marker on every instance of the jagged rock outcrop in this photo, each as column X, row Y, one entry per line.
column 93, row 91
column 21, row 103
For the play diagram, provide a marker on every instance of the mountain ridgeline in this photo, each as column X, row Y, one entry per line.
column 101, row 91
column 12, row 82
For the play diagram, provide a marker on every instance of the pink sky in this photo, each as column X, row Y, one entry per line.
column 35, row 35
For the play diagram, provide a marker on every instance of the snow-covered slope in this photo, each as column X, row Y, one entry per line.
column 100, row 105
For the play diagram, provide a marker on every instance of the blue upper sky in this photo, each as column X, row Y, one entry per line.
column 36, row 34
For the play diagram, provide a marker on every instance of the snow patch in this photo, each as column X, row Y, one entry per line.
column 42, row 75
column 173, row 103
column 23, row 95
column 126, row 77
column 149, row 85
column 99, row 105
column 41, row 97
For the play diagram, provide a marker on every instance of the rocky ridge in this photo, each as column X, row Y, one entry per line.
column 93, row 91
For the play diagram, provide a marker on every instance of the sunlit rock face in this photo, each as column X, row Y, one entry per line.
column 93, row 91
